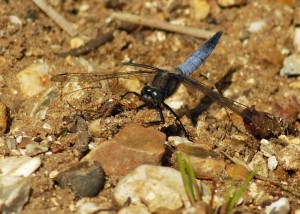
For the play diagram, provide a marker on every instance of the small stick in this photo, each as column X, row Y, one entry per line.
column 203, row 34
column 95, row 43
column 57, row 18
column 91, row 45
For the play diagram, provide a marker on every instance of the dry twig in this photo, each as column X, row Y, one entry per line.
column 95, row 43
column 57, row 18
column 203, row 34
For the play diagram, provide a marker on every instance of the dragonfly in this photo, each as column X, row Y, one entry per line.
column 164, row 83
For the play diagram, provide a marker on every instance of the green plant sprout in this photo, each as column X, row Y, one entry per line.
column 193, row 190
column 231, row 201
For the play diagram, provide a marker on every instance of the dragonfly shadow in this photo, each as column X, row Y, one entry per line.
column 205, row 102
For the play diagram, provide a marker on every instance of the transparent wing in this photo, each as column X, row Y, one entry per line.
column 265, row 123
column 93, row 77
column 150, row 67
column 236, row 107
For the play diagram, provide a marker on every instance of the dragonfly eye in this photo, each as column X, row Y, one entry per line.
column 151, row 96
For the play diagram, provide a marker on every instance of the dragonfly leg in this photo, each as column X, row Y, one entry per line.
column 141, row 107
column 161, row 120
column 130, row 92
column 177, row 118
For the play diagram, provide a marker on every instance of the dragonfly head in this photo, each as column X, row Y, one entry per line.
column 151, row 96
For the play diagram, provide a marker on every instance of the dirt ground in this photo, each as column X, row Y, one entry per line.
column 245, row 66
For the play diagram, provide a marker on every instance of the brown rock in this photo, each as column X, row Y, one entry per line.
column 206, row 163
column 133, row 146
column 3, row 118
column 207, row 168
column 56, row 147
column 237, row 171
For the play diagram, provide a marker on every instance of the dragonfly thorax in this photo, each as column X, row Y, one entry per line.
column 151, row 96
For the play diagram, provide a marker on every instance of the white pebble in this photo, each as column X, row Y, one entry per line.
column 281, row 206
column 76, row 42
column 257, row 26
column 176, row 104
column 53, row 174
column 291, row 65
column 19, row 166
column 272, row 163
column 297, row 39
column 34, row 79
column 176, row 140
column 84, row 7
column 19, row 139
column 47, row 126
column 15, row 20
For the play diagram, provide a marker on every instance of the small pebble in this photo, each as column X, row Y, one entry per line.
column 297, row 39
column 281, row 206
column 3, row 117
column 141, row 209
column 258, row 163
column 158, row 188
column 230, row 3
column 267, row 148
column 81, row 145
column 87, row 207
column 19, row 139
column 53, row 174
column 272, row 163
column 84, row 7
column 34, row 79
column 56, row 147
column 176, row 140
column 19, row 166
column 14, row 194
column 206, row 163
column 237, row 171
column 291, row 65
column 154, row 186
column 257, row 26
column 23, row 142
column 35, row 149
column 76, row 42
column 84, row 179
column 11, row 143
column 15, row 20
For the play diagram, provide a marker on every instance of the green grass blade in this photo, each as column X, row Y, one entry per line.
column 192, row 177
column 240, row 191
column 186, row 181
